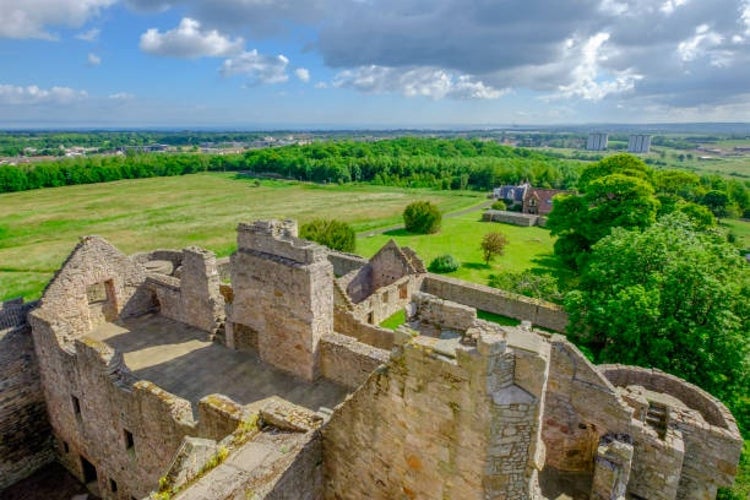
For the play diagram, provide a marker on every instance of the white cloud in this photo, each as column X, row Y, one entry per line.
column 669, row 6
column 257, row 67
column 699, row 44
column 93, row 59
column 31, row 18
column 588, row 80
column 18, row 95
column 744, row 9
column 303, row 74
column 613, row 7
column 430, row 82
column 91, row 35
column 121, row 96
column 189, row 41
column 321, row 85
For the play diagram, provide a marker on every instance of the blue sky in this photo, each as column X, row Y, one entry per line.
column 371, row 63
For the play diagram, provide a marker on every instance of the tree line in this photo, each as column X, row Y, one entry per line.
column 412, row 162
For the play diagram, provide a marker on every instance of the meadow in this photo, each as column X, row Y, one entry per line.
column 39, row 228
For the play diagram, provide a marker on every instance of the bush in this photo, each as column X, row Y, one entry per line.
column 538, row 286
column 444, row 264
column 499, row 205
column 422, row 217
column 334, row 234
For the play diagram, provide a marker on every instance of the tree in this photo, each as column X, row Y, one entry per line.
column 334, row 234
column 614, row 200
column 717, row 201
column 422, row 217
column 493, row 244
column 669, row 297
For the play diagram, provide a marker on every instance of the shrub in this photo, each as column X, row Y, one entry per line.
column 422, row 217
column 499, row 205
column 493, row 244
column 334, row 234
column 444, row 264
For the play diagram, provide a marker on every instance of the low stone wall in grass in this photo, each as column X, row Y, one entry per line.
column 485, row 298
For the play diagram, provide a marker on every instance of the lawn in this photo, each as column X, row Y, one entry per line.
column 528, row 247
column 38, row 229
column 741, row 230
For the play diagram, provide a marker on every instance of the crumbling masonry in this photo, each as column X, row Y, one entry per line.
column 136, row 372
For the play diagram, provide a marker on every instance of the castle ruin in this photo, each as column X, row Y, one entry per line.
column 266, row 375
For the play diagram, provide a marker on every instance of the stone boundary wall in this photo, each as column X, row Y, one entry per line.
column 485, row 298
column 348, row 362
column 346, row 323
column 515, row 218
column 713, row 410
column 25, row 436
column 344, row 263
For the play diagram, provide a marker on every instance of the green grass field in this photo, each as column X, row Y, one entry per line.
column 528, row 247
column 741, row 229
column 38, row 229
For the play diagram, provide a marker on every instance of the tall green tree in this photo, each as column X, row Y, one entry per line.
column 669, row 297
column 617, row 194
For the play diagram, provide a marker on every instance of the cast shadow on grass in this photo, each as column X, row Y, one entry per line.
column 481, row 266
column 398, row 232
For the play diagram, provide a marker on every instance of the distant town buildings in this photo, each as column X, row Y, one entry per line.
column 597, row 142
column 639, row 143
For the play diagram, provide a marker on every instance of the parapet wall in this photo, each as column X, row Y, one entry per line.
column 346, row 323
column 348, row 362
column 278, row 238
column 484, row 298
column 25, row 436
column 712, row 410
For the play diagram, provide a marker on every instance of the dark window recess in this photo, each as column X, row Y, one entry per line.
column 129, row 443
column 113, row 485
column 76, row 405
column 89, row 471
column 66, row 449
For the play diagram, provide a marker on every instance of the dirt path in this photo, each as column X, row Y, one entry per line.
column 458, row 213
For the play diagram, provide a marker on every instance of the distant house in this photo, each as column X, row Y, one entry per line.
column 513, row 196
column 539, row 201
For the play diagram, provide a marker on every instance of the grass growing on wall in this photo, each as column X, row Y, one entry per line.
column 39, row 228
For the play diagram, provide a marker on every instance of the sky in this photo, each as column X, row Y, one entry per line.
column 371, row 63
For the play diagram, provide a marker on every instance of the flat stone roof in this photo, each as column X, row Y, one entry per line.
column 182, row 360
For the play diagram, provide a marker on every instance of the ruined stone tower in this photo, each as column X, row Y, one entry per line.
column 283, row 296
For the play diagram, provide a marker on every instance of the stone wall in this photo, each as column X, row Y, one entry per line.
column 539, row 312
column 582, row 406
column 389, row 265
column 347, row 361
column 96, row 283
column 428, row 426
column 194, row 298
column 387, row 300
column 25, row 436
column 346, row 323
column 344, row 263
column 515, row 218
column 705, row 427
column 283, row 292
